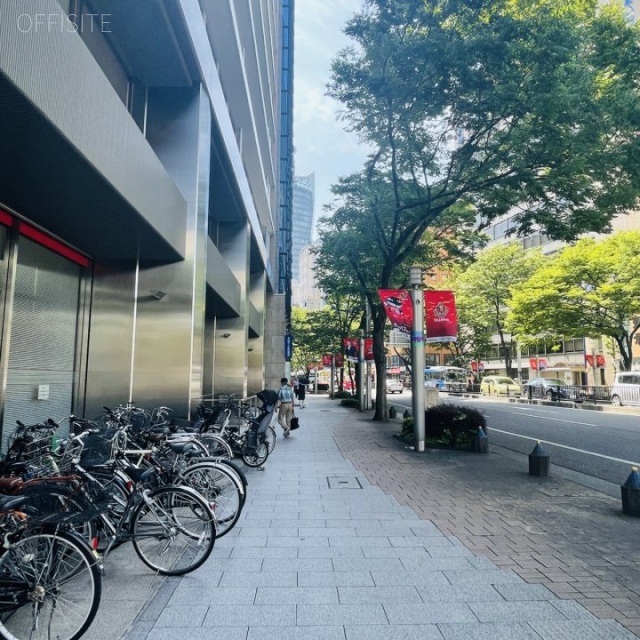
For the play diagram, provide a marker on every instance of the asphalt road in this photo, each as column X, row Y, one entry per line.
column 599, row 444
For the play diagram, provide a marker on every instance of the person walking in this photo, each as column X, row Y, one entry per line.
column 301, row 390
column 285, row 407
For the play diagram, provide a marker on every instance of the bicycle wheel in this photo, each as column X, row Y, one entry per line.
column 173, row 530
column 256, row 458
column 217, row 447
column 50, row 587
column 269, row 438
column 220, row 488
column 239, row 473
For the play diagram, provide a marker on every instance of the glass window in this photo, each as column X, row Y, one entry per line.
column 431, row 359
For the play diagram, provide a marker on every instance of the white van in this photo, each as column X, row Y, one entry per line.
column 626, row 389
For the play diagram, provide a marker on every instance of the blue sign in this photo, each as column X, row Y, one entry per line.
column 288, row 347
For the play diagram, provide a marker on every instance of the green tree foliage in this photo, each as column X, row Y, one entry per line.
column 484, row 290
column 526, row 106
column 590, row 288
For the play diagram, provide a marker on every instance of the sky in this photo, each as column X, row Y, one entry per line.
column 321, row 144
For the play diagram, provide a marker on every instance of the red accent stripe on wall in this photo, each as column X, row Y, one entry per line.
column 6, row 218
column 54, row 245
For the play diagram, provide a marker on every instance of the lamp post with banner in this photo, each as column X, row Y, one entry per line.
column 417, row 356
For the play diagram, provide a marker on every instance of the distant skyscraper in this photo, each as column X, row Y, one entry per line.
column 302, row 223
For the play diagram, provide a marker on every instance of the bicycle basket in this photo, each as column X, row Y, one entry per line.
column 97, row 450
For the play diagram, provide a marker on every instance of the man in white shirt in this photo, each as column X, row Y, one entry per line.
column 285, row 410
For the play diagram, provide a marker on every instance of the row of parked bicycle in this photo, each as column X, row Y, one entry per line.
column 168, row 486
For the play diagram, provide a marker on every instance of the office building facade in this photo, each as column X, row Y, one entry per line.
column 139, row 203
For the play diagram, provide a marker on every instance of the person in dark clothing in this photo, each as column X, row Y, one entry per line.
column 301, row 390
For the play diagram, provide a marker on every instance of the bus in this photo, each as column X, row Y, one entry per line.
column 447, row 378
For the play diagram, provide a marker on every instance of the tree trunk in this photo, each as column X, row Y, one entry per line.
column 379, row 357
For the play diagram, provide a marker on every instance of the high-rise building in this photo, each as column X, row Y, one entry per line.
column 143, row 147
column 303, row 218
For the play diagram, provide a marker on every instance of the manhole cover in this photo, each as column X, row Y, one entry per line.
column 343, row 482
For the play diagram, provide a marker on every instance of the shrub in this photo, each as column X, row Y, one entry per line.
column 350, row 402
column 453, row 425
column 342, row 394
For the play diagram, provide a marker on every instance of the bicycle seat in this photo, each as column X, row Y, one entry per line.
column 11, row 502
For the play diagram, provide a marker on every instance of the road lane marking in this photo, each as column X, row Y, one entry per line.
column 564, row 446
column 531, row 415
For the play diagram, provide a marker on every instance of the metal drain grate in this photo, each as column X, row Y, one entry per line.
column 343, row 482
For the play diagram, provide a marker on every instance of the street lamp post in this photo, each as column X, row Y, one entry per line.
column 417, row 356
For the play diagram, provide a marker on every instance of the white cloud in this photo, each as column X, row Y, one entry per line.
column 322, row 145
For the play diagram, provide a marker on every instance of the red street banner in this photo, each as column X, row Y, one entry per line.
column 397, row 305
column 540, row 363
column 352, row 348
column 598, row 363
column 326, row 360
column 441, row 316
column 338, row 359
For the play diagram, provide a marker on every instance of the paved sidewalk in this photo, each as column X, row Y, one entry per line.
column 348, row 535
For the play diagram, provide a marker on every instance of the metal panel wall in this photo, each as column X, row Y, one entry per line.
column 169, row 334
column 111, row 336
column 43, row 338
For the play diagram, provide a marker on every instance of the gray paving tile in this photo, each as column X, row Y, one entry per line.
column 283, row 615
column 269, row 532
column 336, row 579
column 357, row 595
column 396, row 552
column 182, row 617
column 330, row 552
column 459, row 593
column 245, row 541
column 297, row 595
column 514, row 592
column 298, row 542
column 429, row 613
column 327, row 531
column 515, row 611
column 408, row 578
column 218, row 633
column 477, row 576
column 343, row 614
column 299, row 564
column 367, row 564
column 454, row 563
column 401, row 632
column 296, row 633
column 186, row 595
column 263, row 552
column 359, row 542
column 258, row 579
column 488, row 631
column 572, row 609
column 582, row 630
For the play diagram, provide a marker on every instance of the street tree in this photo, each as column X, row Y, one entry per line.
column 589, row 289
column 485, row 290
column 526, row 107
column 360, row 248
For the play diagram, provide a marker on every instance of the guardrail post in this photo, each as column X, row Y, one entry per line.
column 630, row 492
column 538, row 462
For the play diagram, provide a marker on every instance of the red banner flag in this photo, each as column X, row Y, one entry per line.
column 368, row 348
column 441, row 316
column 326, row 360
column 397, row 305
column 338, row 360
column 352, row 347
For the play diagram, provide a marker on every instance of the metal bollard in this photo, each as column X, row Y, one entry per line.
column 630, row 491
column 538, row 462
column 392, row 412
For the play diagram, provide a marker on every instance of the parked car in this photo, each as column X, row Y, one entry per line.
column 394, row 386
column 499, row 386
column 550, row 389
column 626, row 389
